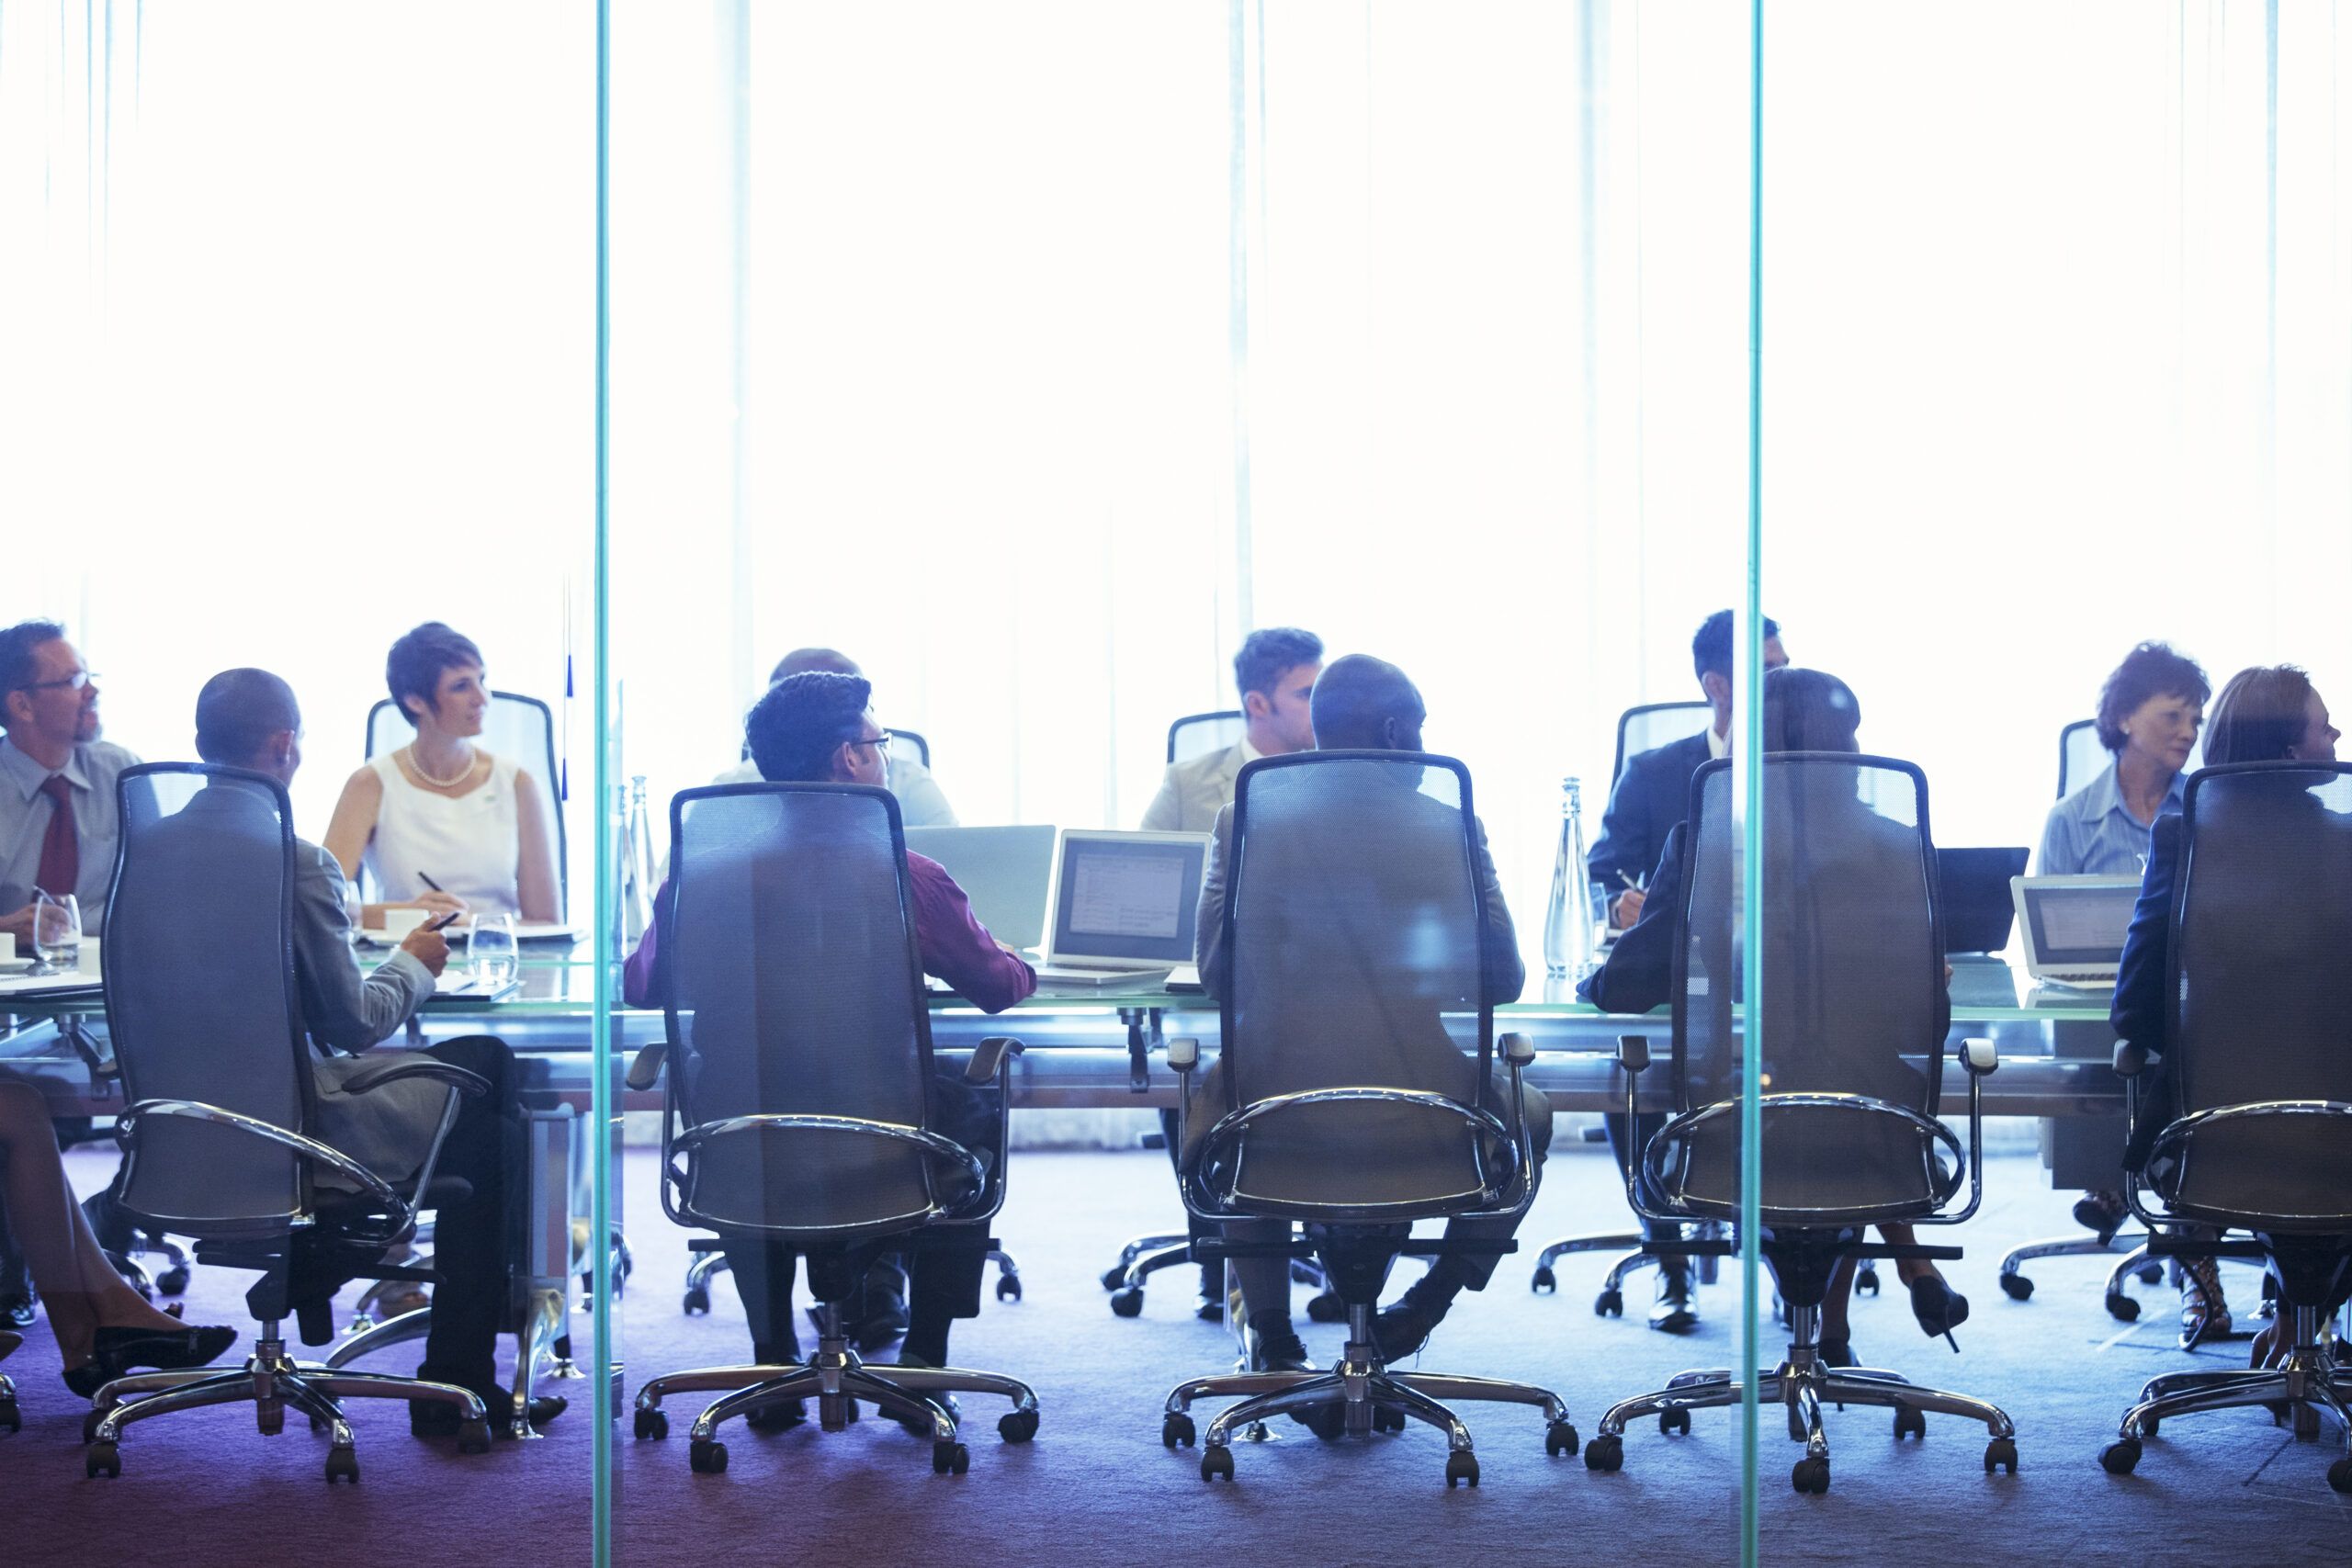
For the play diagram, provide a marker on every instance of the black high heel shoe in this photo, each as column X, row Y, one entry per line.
column 1938, row 1307
column 121, row 1350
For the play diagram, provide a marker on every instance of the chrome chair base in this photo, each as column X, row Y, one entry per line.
column 1803, row 1385
column 2310, row 1383
column 1371, row 1398
column 835, row 1376
column 1610, row 1302
column 543, row 1325
column 9, row 1419
column 270, row 1380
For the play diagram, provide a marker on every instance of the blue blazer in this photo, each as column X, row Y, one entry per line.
column 1651, row 797
column 1638, row 975
column 2138, row 1012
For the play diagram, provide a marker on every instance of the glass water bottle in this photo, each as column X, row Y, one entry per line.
column 1567, row 922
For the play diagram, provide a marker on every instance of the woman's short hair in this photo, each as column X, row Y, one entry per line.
column 2151, row 670
column 413, row 667
column 2260, row 716
column 1809, row 710
column 793, row 730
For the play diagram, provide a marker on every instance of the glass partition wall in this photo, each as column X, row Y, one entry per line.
column 296, row 312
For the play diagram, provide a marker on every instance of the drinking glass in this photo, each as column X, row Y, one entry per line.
column 490, row 943
column 57, row 934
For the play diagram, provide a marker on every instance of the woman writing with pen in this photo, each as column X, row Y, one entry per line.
column 445, row 825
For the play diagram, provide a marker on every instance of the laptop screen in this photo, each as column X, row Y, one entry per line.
column 1005, row 871
column 1128, row 897
column 2079, row 924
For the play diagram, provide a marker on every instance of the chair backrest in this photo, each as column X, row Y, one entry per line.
column 2259, row 990
column 2080, row 755
column 1853, row 969
column 1355, row 953
column 795, row 986
column 1653, row 725
column 912, row 743
column 201, row 1000
column 517, row 726
column 1196, row 735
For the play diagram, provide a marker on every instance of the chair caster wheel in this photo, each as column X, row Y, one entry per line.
column 1383, row 1419
column 2122, row 1308
column 1126, row 1302
column 2001, row 1453
column 1608, row 1304
column 2152, row 1273
column 173, row 1282
column 1017, row 1426
column 1605, row 1452
column 1544, row 1281
column 104, row 1459
column 1460, row 1465
column 1326, row 1307
column 2339, row 1475
column 1866, row 1280
column 343, row 1464
column 1008, row 1288
column 473, row 1437
column 2017, row 1287
column 2119, row 1458
column 1176, row 1430
column 652, row 1424
column 1910, row 1421
column 1809, row 1475
column 696, row 1303
column 1671, row 1422
column 1215, row 1462
column 950, row 1459
column 706, row 1459
column 1114, row 1278
column 1559, row 1438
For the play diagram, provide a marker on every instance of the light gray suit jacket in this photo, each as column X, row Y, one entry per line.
column 1193, row 792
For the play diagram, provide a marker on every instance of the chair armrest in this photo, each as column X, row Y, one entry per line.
column 1183, row 1054
column 374, row 1185
column 990, row 1057
column 2130, row 1060
column 473, row 1086
column 1979, row 1056
column 1634, row 1053
column 1517, row 1050
column 645, row 1071
column 101, row 1065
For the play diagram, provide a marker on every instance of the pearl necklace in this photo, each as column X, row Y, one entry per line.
column 462, row 774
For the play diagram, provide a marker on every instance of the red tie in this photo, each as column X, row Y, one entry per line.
column 61, row 851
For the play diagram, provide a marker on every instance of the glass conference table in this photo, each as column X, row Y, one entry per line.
column 1102, row 1048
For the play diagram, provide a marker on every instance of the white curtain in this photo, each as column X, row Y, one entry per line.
column 298, row 308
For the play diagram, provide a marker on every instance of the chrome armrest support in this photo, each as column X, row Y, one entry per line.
column 473, row 1086
column 1645, row 1165
column 691, row 1142
column 1633, row 1061
column 126, row 1131
column 1228, row 1128
column 2184, row 1128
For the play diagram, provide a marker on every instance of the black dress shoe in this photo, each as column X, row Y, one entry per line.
column 117, row 1351
column 20, row 1311
column 432, row 1419
column 1670, row 1311
column 781, row 1417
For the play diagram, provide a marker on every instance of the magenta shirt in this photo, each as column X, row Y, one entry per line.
column 954, row 945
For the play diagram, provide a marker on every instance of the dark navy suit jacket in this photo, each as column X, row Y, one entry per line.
column 1651, row 797
column 2138, row 1013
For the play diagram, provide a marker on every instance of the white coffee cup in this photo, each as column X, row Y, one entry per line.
column 398, row 923
column 7, row 947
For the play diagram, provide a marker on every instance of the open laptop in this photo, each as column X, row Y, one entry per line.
column 2073, row 927
column 1123, row 909
column 1007, row 873
column 1974, row 888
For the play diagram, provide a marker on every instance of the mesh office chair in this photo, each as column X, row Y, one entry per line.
column 1196, row 735
column 218, row 1139
column 517, row 726
column 2080, row 755
column 2259, row 1129
column 1639, row 729
column 1653, row 725
column 1853, row 997
column 798, row 1105
column 1354, row 1093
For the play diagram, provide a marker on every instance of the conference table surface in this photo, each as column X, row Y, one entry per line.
column 1102, row 1047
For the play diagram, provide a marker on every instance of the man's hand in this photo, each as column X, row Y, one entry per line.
column 1626, row 908
column 428, row 948
column 19, row 925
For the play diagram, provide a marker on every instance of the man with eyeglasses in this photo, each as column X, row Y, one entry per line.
column 58, row 823
column 922, row 803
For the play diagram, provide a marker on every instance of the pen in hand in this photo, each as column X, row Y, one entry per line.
column 447, row 919
column 438, row 888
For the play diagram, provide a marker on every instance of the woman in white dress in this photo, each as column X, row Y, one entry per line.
column 443, row 823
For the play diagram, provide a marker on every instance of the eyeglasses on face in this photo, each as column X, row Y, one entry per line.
column 75, row 681
column 881, row 742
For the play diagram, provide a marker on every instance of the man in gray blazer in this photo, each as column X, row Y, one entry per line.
column 1275, row 669
column 248, row 718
